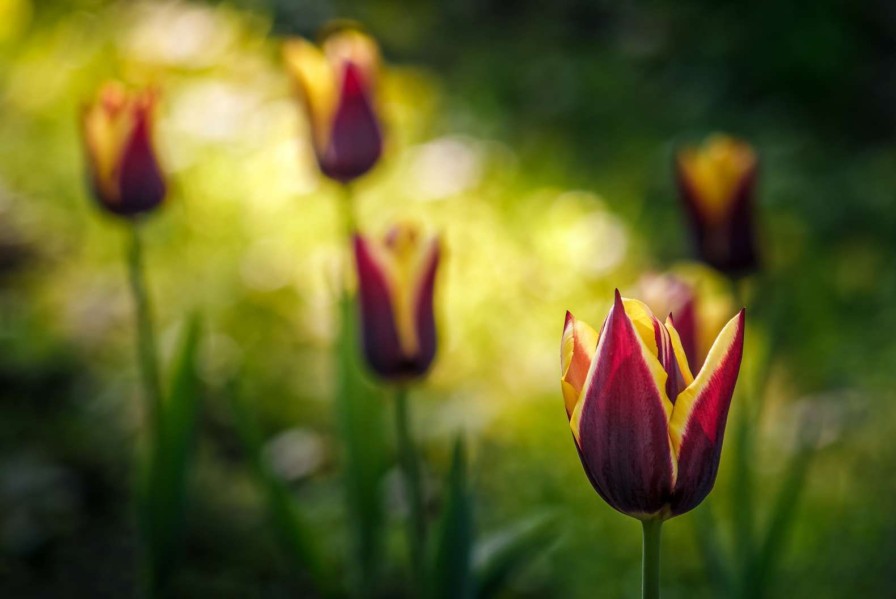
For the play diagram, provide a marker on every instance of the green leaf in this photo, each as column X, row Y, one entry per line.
column 163, row 492
column 764, row 565
column 501, row 555
column 289, row 523
column 452, row 576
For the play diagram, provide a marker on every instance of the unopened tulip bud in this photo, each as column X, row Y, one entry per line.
column 117, row 128
column 336, row 84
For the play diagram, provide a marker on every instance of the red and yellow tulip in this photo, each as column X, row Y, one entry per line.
column 396, row 278
column 117, row 129
column 649, row 433
column 716, row 183
column 335, row 82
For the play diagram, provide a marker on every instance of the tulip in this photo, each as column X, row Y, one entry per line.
column 125, row 175
column 648, row 432
column 669, row 294
column 396, row 278
column 335, row 83
column 716, row 184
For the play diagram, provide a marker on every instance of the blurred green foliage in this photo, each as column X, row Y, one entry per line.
column 538, row 138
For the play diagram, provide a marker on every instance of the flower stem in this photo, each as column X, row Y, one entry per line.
column 348, row 210
column 360, row 428
column 650, row 559
column 146, row 345
column 410, row 467
column 147, row 361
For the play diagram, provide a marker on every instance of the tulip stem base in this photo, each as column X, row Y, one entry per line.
column 410, row 467
column 146, row 345
column 650, row 559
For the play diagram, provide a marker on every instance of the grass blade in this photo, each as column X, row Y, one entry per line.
column 452, row 576
column 504, row 553
column 289, row 524
column 163, row 494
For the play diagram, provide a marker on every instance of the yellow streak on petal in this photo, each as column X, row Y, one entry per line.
column 355, row 46
column 642, row 319
column 577, row 350
column 107, row 126
column 404, row 258
column 315, row 77
column 680, row 356
column 687, row 399
column 715, row 170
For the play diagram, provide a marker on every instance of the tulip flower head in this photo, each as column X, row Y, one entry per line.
column 336, row 83
column 716, row 184
column 125, row 174
column 649, row 433
column 396, row 277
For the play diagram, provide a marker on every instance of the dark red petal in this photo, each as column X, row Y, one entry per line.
column 382, row 347
column 623, row 429
column 425, row 317
column 701, row 441
column 685, row 321
column 140, row 179
column 356, row 141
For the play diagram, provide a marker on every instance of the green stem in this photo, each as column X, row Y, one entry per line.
column 650, row 559
column 358, row 415
column 146, row 345
column 349, row 220
column 147, row 361
column 410, row 466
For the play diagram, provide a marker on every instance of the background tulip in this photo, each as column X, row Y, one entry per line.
column 336, row 83
column 716, row 183
column 124, row 171
column 649, row 433
column 669, row 294
column 396, row 279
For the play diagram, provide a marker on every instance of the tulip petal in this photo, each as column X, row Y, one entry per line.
column 382, row 346
column 356, row 141
column 698, row 419
column 621, row 423
column 577, row 349
column 681, row 355
column 140, row 177
column 316, row 84
column 424, row 315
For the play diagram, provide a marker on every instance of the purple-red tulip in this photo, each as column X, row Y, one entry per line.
column 716, row 183
column 396, row 277
column 336, row 84
column 117, row 128
column 648, row 432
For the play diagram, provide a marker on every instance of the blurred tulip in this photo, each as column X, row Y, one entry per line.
column 649, row 433
column 716, row 183
column 336, row 83
column 669, row 294
column 396, row 279
column 124, row 171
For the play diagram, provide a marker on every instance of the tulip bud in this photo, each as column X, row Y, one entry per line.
column 716, row 183
column 336, row 83
column 396, row 278
column 648, row 432
column 125, row 175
